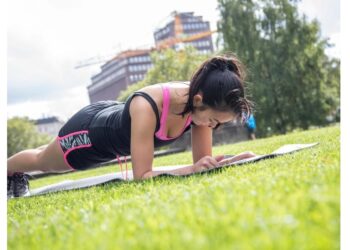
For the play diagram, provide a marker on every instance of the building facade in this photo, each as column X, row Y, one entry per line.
column 131, row 66
column 49, row 125
column 186, row 29
column 126, row 68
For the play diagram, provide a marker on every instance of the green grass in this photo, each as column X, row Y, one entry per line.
column 290, row 202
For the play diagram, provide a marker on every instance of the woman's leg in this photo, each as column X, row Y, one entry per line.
column 47, row 158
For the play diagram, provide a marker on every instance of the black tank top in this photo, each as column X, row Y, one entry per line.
column 110, row 129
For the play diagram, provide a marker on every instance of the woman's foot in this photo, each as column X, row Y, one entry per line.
column 9, row 187
column 17, row 185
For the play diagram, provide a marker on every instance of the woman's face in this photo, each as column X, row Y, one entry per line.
column 209, row 117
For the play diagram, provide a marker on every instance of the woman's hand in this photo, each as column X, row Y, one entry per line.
column 209, row 162
column 206, row 163
column 238, row 157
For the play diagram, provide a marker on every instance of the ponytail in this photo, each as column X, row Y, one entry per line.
column 220, row 79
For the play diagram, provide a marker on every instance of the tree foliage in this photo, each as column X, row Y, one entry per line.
column 294, row 84
column 22, row 134
column 168, row 65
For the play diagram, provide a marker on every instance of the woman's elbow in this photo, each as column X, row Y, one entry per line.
column 143, row 176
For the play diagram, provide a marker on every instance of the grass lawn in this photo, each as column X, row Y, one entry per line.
column 290, row 202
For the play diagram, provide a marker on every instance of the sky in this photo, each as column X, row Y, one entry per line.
column 46, row 39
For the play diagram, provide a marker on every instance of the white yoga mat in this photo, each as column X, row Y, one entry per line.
column 114, row 177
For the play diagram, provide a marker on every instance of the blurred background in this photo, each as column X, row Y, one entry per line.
column 63, row 55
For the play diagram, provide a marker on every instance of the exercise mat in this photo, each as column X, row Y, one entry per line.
column 121, row 176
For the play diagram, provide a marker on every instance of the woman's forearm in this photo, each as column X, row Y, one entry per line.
column 179, row 171
column 238, row 157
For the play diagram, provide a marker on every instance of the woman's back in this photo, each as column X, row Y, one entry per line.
column 110, row 129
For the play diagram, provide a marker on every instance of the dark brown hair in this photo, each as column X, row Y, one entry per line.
column 220, row 79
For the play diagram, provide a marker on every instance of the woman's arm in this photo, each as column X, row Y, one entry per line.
column 143, row 124
column 238, row 157
column 202, row 146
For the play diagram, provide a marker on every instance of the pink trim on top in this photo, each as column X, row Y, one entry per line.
column 77, row 147
column 188, row 121
column 160, row 134
column 165, row 111
column 70, row 150
column 64, row 155
column 75, row 133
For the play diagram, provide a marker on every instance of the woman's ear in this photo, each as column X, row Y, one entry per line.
column 197, row 100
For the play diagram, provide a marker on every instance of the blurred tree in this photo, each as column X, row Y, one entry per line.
column 168, row 65
column 292, row 81
column 22, row 134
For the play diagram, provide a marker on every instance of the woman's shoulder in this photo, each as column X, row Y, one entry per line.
column 176, row 89
column 154, row 91
column 157, row 88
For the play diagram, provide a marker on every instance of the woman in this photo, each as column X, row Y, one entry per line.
column 152, row 117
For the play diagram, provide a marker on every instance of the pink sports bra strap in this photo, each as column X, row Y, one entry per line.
column 165, row 110
column 166, row 104
column 188, row 121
